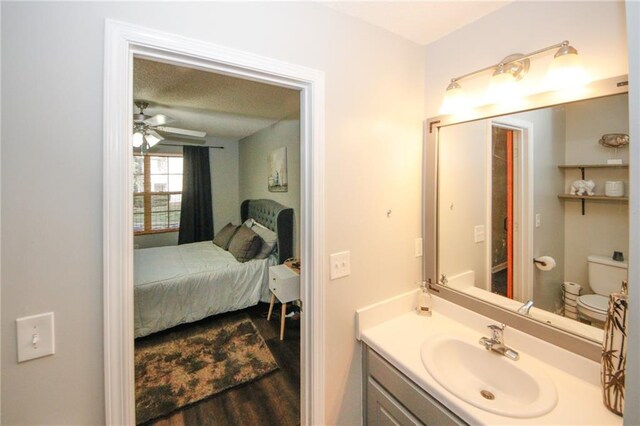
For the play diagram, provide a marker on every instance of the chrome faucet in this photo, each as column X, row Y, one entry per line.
column 496, row 342
column 524, row 309
column 443, row 279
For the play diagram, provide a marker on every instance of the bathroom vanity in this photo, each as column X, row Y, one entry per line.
column 546, row 385
column 392, row 398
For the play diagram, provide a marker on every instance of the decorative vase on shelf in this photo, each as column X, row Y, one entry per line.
column 614, row 352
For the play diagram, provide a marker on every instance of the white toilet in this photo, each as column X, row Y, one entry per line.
column 605, row 277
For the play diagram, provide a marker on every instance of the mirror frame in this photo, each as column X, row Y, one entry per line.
column 556, row 336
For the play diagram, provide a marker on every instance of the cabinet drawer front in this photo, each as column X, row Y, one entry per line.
column 426, row 408
column 383, row 409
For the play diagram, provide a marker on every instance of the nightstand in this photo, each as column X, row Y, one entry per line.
column 284, row 284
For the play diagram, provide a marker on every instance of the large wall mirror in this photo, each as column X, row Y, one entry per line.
column 532, row 206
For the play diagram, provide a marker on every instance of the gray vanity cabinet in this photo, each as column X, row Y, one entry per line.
column 390, row 398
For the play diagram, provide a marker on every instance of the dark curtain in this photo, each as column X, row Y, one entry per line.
column 196, row 217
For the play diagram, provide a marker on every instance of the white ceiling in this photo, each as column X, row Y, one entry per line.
column 232, row 108
column 419, row 21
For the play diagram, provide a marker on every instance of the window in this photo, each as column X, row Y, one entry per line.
column 157, row 193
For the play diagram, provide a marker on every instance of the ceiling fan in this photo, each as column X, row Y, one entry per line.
column 146, row 128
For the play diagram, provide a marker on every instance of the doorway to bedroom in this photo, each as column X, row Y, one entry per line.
column 216, row 207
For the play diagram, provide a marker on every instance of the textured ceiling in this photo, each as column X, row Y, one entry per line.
column 222, row 106
column 419, row 21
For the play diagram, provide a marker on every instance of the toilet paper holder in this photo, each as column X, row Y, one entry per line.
column 541, row 262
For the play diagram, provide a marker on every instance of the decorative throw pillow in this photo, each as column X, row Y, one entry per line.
column 244, row 244
column 269, row 240
column 223, row 237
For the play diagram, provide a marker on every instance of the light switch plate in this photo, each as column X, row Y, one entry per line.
column 537, row 220
column 35, row 336
column 478, row 234
column 418, row 247
column 340, row 264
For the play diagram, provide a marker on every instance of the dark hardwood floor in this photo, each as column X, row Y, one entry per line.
column 271, row 400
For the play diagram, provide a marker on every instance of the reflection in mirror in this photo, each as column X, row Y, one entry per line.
column 519, row 188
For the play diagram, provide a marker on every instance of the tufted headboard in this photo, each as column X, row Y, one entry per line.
column 274, row 216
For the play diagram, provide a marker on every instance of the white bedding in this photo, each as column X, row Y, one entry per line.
column 181, row 284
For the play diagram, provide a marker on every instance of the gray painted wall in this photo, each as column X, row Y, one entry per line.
column 254, row 151
column 548, row 152
column 462, row 200
column 605, row 225
column 225, row 184
column 52, row 209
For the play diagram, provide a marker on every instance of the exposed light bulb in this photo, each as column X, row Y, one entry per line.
column 137, row 140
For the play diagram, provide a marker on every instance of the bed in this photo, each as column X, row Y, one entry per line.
column 181, row 284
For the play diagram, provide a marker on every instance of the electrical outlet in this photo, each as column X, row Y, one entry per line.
column 478, row 234
column 418, row 247
column 340, row 264
column 35, row 336
column 537, row 220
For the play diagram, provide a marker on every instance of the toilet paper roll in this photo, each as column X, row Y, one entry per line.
column 545, row 263
column 573, row 288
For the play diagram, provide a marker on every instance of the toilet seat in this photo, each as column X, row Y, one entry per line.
column 594, row 306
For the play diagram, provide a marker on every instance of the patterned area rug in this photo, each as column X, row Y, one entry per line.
column 185, row 366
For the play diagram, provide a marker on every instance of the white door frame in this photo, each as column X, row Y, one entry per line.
column 523, row 215
column 122, row 42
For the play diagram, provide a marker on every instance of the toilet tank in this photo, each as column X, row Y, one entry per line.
column 605, row 274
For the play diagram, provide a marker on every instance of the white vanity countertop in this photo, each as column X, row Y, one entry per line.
column 577, row 379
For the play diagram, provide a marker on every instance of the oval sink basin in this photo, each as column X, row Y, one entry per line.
column 486, row 379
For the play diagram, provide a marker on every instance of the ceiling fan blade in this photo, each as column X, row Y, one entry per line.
column 182, row 132
column 155, row 134
column 178, row 141
column 158, row 120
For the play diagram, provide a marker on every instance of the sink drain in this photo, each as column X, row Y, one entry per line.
column 488, row 395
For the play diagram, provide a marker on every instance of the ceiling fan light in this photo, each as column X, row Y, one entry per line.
column 152, row 140
column 137, row 140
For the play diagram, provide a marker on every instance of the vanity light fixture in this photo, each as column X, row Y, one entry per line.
column 564, row 72
column 454, row 99
column 566, row 69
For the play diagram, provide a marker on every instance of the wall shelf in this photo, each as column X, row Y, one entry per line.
column 593, row 166
column 593, row 197
column 582, row 198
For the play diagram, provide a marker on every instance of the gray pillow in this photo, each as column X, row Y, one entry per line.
column 223, row 237
column 244, row 244
column 269, row 240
